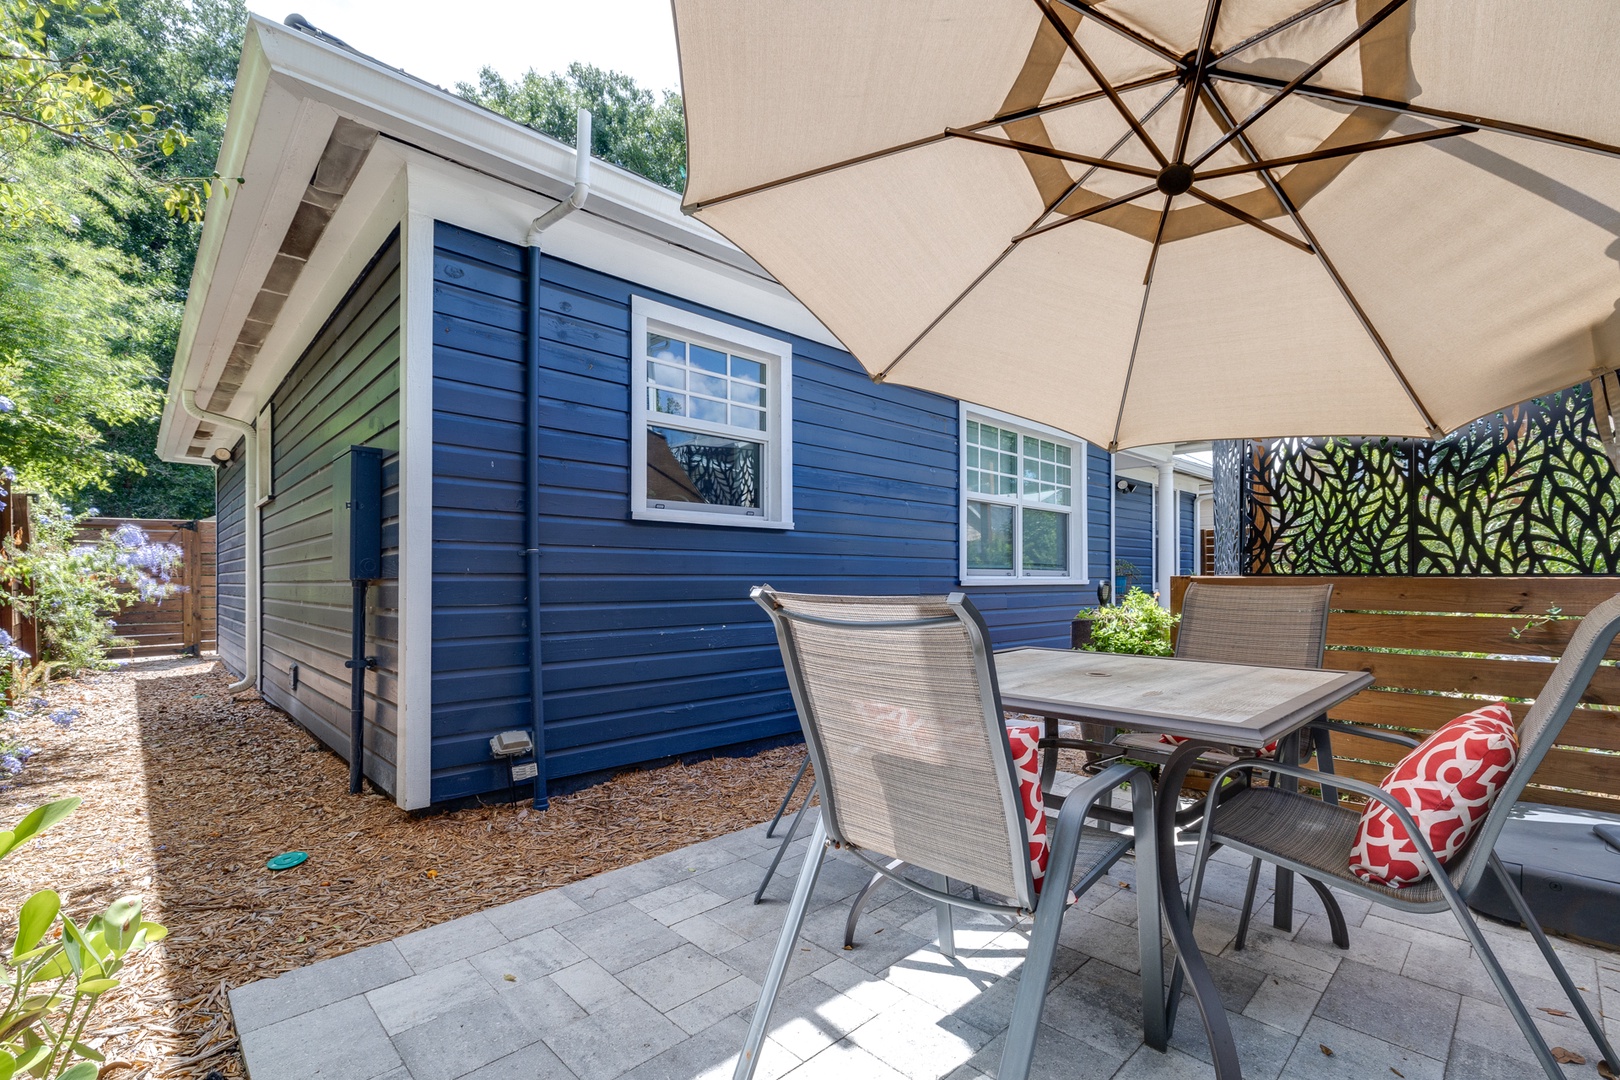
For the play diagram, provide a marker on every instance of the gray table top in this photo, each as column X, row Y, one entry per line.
column 1233, row 704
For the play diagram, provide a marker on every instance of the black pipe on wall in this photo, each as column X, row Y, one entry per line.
column 357, row 665
column 531, row 510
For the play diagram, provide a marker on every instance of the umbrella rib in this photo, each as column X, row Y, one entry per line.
column 926, row 140
column 1051, row 152
column 1090, row 211
column 1250, row 219
column 1340, row 151
column 1276, row 28
column 1100, row 79
column 1333, row 272
column 1212, row 13
column 1085, row 8
column 1505, row 127
column 1299, row 80
column 1141, row 317
column 1031, row 231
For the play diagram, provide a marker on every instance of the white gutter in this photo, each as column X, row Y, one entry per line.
column 250, row 521
column 582, row 181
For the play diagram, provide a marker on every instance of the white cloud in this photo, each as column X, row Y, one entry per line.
column 446, row 44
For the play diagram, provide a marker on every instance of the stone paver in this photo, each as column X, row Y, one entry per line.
column 652, row 972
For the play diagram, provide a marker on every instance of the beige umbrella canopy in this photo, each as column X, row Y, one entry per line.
column 1147, row 221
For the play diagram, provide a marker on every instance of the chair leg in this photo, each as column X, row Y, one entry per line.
column 1594, row 1027
column 770, row 830
column 1248, row 905
column 944, row 920
column 785, row 945
column 1493, row 968
column 859, row 904
column 793, row 830
column 1335, row 915
column 1149, row 919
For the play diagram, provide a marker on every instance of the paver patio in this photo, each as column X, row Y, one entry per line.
column 651, row 973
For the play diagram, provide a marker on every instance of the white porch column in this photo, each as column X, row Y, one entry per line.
column 1166, row 523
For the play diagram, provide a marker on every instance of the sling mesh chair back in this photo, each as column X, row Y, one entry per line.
column 1315, row 837
column 902, row 719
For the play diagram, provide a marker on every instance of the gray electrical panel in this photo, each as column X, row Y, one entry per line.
column 357, row 514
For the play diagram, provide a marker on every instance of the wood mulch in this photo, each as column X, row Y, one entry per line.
column 187, row 793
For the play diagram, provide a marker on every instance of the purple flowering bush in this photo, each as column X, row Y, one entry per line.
column 76, row 590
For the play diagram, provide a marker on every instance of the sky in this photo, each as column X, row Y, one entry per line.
column 448, row 44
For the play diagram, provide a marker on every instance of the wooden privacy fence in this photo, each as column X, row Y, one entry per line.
column 186, row 622
column 16, row 522
column 1440, row 646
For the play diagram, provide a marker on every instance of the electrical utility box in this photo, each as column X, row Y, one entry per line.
column 357, row 513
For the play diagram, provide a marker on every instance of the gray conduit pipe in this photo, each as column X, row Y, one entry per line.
column 250, row 517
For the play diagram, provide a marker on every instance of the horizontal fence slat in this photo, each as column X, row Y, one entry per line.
column 1575, row 594
column 1468, row 675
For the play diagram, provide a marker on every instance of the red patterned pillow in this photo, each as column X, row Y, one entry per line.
column 1447, row 783
column 1024, row 739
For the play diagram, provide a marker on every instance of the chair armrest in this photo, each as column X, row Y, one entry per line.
column 1371, row 791
column 1366, row 733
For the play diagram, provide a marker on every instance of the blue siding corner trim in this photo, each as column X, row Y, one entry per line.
column 1187, row 532
column 652, row 647
column 1133, row 541
column 230, row 550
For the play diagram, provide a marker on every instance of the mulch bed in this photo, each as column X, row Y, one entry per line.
column 187, row 792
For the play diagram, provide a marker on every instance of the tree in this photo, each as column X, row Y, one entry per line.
column 629, row 127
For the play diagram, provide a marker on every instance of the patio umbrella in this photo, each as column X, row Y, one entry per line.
column 1146, row 221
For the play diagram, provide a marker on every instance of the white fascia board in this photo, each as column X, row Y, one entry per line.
column 443, row 124
column 477, row 202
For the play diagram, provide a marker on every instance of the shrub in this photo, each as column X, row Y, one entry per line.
column 57, row 971
column 1136, row 625
column 72, row 589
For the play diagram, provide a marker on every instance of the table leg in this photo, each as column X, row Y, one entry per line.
column 1179, row 924
column 1282, row 912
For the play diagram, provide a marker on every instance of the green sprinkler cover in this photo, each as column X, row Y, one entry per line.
column 287, row 860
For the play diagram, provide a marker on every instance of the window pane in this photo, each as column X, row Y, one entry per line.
column 660, row 347
column 667, row 375
column 666, row 402
column 989, row 536
column 746, row 394
column 747, row 369
column 748, row 418
column 705, row 409
column 710, row 360
column 708, row 384
column 1046, row 541
column 685, row 467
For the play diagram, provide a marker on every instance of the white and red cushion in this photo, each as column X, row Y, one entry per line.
column 1024, row 741
column 1447, row 783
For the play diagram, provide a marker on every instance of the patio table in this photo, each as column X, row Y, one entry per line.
column 1212, row 706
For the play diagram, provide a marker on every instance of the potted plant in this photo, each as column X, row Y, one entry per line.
column 1126, row 575
column 1135, row 625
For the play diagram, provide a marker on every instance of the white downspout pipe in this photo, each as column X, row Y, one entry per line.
column 250, row 521
column 582, row 181
column 1166, row 558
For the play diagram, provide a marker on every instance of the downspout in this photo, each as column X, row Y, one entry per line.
column 250, row 523
column 531, row 472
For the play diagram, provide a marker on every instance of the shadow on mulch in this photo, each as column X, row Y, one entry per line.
column 188, row 793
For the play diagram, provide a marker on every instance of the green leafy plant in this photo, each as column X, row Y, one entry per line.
column 57, row 970
column 72, row 588
column 1136, row 625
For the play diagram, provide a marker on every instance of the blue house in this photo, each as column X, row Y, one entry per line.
column 593, row 441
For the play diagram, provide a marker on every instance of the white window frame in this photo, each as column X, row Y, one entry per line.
column 1079, row 569
column 649, row 316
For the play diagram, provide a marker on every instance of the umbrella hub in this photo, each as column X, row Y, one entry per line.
column 1175, row 178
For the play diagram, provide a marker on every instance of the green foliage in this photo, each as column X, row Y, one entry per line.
column 1136, row 625
column 73, row 588
column 57, row 970
column 629, row 126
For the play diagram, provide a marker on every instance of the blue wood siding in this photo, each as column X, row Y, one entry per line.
column 230, row 554
column 1134, row 540
column 651, row 646
column 1186, row 521
column 342, row 392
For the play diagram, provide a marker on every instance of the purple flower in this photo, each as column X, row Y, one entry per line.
column 6, row 405
column 8, row 472
column 129, row 535
column 63, row 718
column 10, row 764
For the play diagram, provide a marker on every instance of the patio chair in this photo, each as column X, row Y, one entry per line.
column 1269, row 625
column 1315, row 837
column 902, row 718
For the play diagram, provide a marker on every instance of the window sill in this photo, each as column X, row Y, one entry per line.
column 1019, row 583
column 698, row 517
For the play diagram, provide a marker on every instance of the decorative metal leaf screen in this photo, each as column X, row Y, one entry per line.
column 1525, row 491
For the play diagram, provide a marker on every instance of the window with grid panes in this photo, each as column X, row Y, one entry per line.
column 1022, row 512
column 710, row 419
